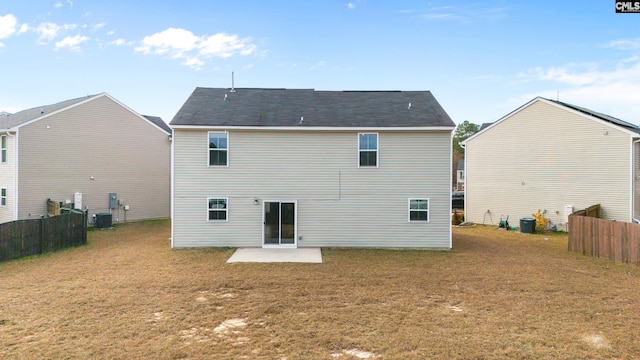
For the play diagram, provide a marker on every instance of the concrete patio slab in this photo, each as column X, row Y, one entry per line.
column 299, row 255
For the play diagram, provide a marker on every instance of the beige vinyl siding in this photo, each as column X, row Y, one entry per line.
column 339, row 204
column 546, row 157
column 100, row 138
column 7, row 180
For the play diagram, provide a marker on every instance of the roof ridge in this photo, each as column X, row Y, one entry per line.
column 602, row 116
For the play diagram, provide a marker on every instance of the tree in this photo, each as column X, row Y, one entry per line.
column 463, row 131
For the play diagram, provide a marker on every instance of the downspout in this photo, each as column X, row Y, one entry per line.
column 15, row 173
column 464, row 146
column 634, row 179
column 171, row 182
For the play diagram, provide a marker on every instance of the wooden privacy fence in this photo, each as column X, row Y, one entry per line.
column 618, row 241
column 22, row 238
column 591, row 211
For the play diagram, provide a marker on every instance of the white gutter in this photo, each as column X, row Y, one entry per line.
column 312, row 128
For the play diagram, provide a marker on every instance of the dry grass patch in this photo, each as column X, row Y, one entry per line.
column 497, row 295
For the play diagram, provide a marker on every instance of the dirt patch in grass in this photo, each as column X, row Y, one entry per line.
column 497, row 295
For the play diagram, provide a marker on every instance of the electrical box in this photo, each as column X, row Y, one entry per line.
column 113, row 200
column 77, row 201
column 568, row 210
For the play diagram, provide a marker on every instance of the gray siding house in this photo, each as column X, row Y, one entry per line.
column 556, row 157
column 79, row 152
column 307, row 168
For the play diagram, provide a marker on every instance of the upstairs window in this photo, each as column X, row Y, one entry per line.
column 217, row 209
column 3, row 149
column 419, row 210
column 368, row 150
column 218, row 149
column 3, row 197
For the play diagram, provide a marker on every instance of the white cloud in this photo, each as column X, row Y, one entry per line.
column 7, row 25
column 611, row 90
column 225, row 45
column 193, row 63
column 248, row 66
column 467, row 14
column 120, row 42
column 111, row 32
column 49, row 31
column 351, row 5
column 183, row 44
column 71, row 42
column 98, row 26
column 571, row 74
column 439, row 16
column 172, row 40
column 59, row 4
column 624, row 44
column 24, row 28
column 319, row 64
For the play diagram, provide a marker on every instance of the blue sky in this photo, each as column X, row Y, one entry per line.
column 481, row 59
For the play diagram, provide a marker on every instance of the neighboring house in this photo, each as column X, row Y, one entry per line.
column 460, row 175
column 79, row 152
column 307, row 168
column 484, row 125
column 555, row 157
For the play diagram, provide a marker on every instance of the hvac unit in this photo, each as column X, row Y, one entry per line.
column 103, row 220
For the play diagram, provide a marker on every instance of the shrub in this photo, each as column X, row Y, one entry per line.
column 541, row 221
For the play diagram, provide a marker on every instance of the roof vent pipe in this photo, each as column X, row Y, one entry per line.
column 233, row 89
column 409, row 107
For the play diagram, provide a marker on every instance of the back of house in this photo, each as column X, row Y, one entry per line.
column 554, row 157
column 92, row 153
column 307, row 168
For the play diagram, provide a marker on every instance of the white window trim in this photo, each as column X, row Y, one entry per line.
column 428, row 210
column 3, row 197
column 209, row 149
column 226, row 210
column 377, row 151
column 3, row 150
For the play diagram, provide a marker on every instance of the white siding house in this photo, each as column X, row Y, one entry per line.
column 555, row 157
column 306, row 168
column 80, row 151
column 460, row 175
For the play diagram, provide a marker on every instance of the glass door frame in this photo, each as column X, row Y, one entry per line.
column 295, row 224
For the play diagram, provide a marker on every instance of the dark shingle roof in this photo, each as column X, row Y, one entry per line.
column 159, row 122
column 286, row 107
column 600, row 116
column 485, row 125
column 21, row 117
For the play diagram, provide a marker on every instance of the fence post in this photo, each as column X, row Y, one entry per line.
column 85, row 219
column 42, row 236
